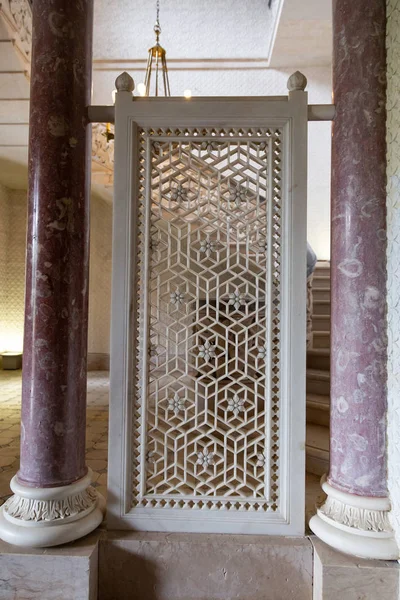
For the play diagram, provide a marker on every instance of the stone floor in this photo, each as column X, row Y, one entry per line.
column 96, row 434
column 96, row 429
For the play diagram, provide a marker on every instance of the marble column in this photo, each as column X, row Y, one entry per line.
column 53, row 501
column 354, row 518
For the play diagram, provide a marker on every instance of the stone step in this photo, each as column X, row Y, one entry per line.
column 321, row 339
column 321, row 294
column 321, row 281
column 321, row 307
column 323, row 268
column 321, row 322
column 317, row 449
column 318, row 382
column 319, row 358
column 318, row 409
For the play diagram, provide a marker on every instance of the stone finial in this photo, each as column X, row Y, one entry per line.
column 297, row 82
column 124, row 83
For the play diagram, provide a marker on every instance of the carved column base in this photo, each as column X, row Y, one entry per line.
column 42, row 517
column 356, row 525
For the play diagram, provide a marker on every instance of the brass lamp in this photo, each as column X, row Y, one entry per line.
column 157, row 62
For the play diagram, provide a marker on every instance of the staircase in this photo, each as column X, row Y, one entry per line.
column 318, row 375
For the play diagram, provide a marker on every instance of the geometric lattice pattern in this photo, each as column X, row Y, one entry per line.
column 206, row 412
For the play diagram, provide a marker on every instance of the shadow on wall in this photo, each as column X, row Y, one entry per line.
column 136, row 575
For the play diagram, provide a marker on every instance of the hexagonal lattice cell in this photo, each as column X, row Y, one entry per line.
column 211, row 373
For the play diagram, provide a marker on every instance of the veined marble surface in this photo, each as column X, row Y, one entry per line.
column 96, row 428
column 339, row 576
column 67, row 573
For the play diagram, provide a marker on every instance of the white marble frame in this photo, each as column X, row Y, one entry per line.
column 291, row 114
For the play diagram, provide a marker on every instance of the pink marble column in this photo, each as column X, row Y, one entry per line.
column 358, row 271
column 56, row 307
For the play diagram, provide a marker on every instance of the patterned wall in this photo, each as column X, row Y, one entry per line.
column 13, row 206
column 4, row 201
column 12, row 267
column 393, row 265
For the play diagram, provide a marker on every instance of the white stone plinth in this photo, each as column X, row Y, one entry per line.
column 67, row 573
column 194, row 566
column 338, row 576
column 42, row 517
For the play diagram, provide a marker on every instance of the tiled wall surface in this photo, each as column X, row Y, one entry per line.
column 13, row 212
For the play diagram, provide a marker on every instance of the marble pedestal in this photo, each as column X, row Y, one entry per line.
column 339, row 576
column 69, row 572
column 159, row 566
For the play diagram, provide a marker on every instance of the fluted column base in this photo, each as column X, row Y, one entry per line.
column 356, row 525
column 43, row 517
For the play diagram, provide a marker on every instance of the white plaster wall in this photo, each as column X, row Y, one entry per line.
column 100, row 276
column 393, row 257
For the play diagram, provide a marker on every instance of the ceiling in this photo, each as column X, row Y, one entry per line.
column 215, row 47
column 304, row 34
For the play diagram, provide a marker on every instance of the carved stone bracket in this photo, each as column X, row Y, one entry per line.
column 17, row 16
column 102, row 150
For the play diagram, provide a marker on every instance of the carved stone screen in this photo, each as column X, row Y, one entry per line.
column 206, row 408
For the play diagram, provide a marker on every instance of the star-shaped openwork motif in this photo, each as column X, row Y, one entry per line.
column 205, row 458
column 177, row 297
column 207, row 351
column 151, row 457
column 238, row 196
column 262, row 352
column 179, row 194
column 152, row 349
column 177, row 404
column 236, row 404
column 209, row 146
column 207, row 246
column 237, row 299
column 263, row 245
column 260, row 460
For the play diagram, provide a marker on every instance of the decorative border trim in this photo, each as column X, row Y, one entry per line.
column 355, row 517
column 28, row 509
column 362, row 513
column 43, row 517
column 38, row 506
